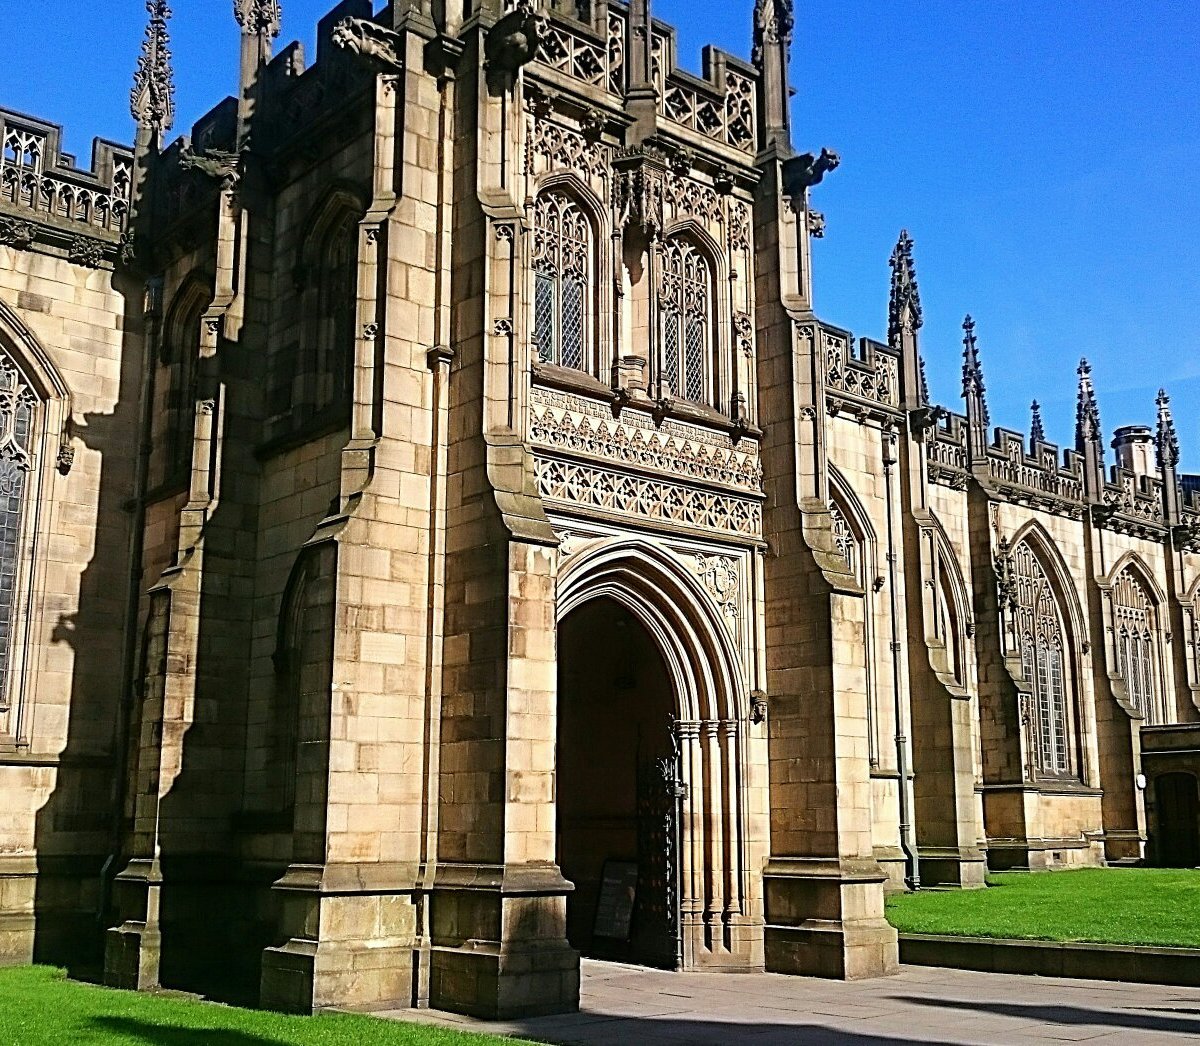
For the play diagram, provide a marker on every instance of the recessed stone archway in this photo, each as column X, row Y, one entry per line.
column 697, row 681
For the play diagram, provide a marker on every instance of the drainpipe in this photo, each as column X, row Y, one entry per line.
column 912, row 866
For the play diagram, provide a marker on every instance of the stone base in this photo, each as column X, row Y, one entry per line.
column 1124, row 847
column 133, row 950
column 530, row 981
column 352, row 944
column 499, row 944
column 825, row 919
column 965, row 869
column 732, row 945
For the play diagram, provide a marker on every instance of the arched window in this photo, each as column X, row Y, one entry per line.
column 563, row 282
column 947, row 624
column 1043, row 661
column 18, row 415
column 686, row 303
column 311, row 379
column 1134, row 620
column 846, row 540
column 181, row 357
column 333, row 327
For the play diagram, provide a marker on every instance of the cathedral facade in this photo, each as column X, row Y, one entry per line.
column 438, row 538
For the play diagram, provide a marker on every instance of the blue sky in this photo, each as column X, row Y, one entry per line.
column 1043, row 155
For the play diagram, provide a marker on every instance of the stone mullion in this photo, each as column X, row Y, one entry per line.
column 714, row 816
column 735, row 834
column 691, row 907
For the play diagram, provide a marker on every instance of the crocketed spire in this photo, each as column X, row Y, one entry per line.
column 904, row 305
column 1087, row 410
column 1037, row 430
column 973, row 386
column 152, row 100
column 1166, row 440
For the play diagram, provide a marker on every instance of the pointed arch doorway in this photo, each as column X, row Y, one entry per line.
column 651, row 808
column 619, row 805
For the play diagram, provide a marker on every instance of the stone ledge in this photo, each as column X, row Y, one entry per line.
column 1107, row 962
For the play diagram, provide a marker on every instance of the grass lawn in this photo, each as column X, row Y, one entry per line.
column 40, row 1007
column 1156, row 906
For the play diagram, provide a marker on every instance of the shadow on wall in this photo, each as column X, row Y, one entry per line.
column 76, row 827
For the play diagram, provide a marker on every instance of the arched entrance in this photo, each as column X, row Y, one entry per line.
column 653, row 782
column 618, row 814
column 1175, row 800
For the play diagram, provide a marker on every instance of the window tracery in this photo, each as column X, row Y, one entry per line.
column 562, row 265
column 845, row 540
column 1134, row 621
column 1039, row 627
column 686, row 302
column 18, row 409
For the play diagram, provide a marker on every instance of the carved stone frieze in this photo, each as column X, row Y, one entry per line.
column 16, row 233
column 582, row 487
column 577, row 425
column 550, row 147
column 86, row 251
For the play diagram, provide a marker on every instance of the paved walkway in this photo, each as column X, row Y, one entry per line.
column 631, row 1006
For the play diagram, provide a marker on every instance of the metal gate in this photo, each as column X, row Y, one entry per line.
column 657, row 937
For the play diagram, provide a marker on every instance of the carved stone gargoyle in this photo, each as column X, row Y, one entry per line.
column 218, row 164
column 804, row 171
column 372, row 43
column 512, row 43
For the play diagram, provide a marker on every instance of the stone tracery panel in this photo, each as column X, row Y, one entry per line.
column 1134, row 624
column 1043, row 648
column 663, row 501
column 575, row 424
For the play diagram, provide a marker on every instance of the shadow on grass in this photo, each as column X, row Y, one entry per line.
column 1065, row 1015
column 166, row 1035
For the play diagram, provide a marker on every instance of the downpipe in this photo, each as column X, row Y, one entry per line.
column 912, row 863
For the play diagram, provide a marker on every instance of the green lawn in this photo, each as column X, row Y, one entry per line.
column 1107, row 905
column 40, row 1007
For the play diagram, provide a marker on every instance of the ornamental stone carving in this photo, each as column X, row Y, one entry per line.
column 378, row 47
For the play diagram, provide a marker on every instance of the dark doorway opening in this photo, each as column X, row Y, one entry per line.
column 618, row 792
column 1178, row 842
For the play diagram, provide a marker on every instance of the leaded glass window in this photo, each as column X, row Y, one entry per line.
column 562, row 266
column 18, row 407
column 1133, row 616
column 686, row 310
column 1043, row 662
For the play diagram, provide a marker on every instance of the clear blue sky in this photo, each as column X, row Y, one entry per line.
column 1042, row 153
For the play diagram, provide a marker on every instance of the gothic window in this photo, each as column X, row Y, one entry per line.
column 18, row 407
column 563, row 285
column 1133, row 619
column 312, row 374
column 947, row 624
column 181, row 357
column 846, row 540
column 1043, row 661
column 686, row 303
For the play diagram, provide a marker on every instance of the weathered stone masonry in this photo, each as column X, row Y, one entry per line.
column 427, row 492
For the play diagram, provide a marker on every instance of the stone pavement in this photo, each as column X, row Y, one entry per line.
column 632, row 1006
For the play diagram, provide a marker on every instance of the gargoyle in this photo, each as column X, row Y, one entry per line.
column 371, row 42
column 804, row 171
column 513, row 43
column 223, row 166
